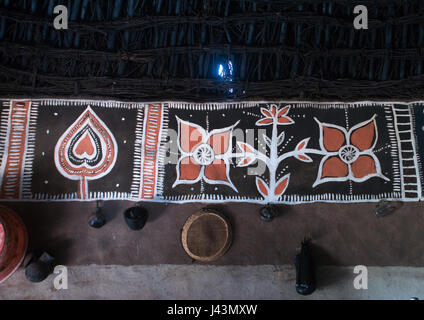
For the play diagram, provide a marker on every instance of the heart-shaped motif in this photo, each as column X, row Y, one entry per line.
column 85, row 145
column 87, row 150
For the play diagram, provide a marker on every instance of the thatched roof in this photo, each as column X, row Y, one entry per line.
column 172, row 49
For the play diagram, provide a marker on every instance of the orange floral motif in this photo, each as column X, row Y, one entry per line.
column 204, row 155
column 273, row 113
column 249, row 155
column 300, row 153
column 349, row 155
column 279, row 188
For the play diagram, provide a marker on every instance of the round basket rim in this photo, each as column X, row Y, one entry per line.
column 195, row 216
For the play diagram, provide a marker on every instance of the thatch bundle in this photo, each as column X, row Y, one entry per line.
column 171, row 49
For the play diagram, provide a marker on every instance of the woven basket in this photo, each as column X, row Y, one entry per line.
column 13, row 242
column 206, row 235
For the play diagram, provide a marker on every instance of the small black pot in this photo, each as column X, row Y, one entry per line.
column 39, row 269
column 97, row 219
column 136, row 217
column 268, row 213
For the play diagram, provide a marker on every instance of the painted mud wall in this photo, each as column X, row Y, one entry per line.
column 282, row 152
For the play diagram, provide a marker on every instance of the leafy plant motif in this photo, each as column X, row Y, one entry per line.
column 274, row 116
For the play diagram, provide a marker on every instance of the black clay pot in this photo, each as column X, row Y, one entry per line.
column 136, row 217
column 97, row 219
column 39, row 269
column 305, row 270
column 268, row 213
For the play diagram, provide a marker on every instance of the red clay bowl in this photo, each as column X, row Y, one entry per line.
column 13, row 242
